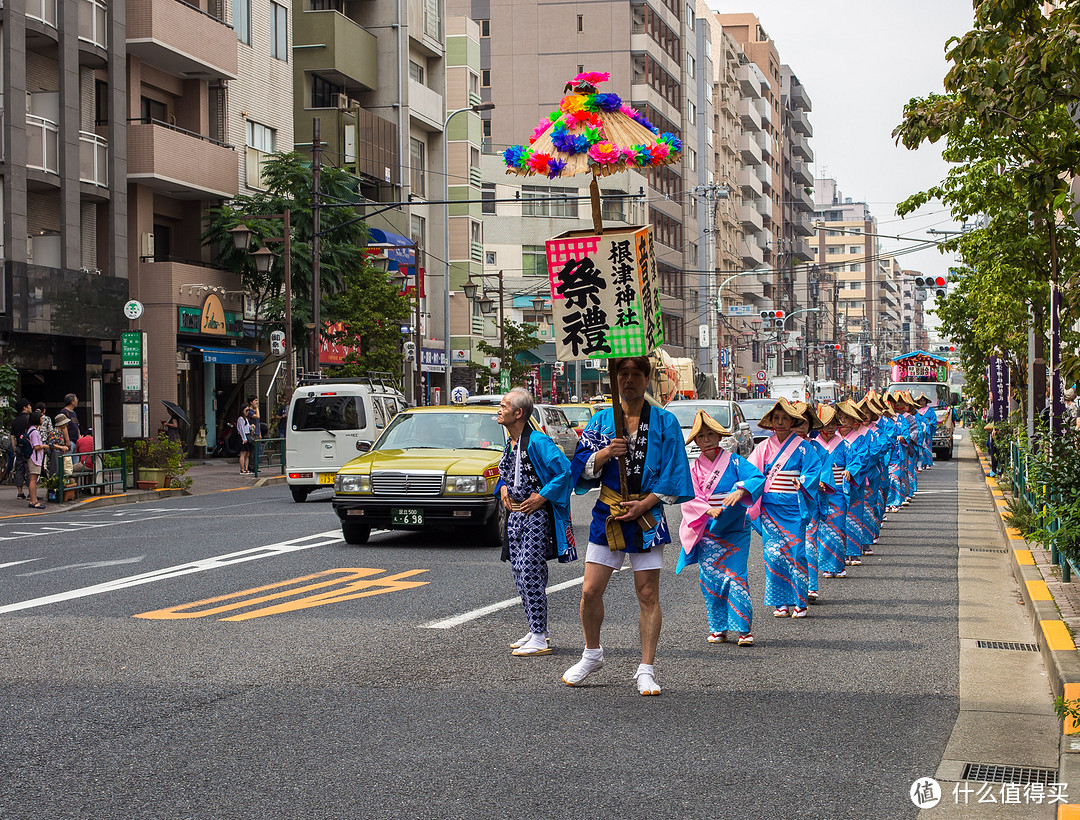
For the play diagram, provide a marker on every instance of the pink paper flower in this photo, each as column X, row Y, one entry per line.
column 591, row 77
column 605, row 153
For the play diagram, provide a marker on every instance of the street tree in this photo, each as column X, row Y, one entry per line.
column 518, row 338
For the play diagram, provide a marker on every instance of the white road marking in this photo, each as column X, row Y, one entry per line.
column 458, row 620
column 88, row 565
column 16, row 563
column 15, row 535
column 253, row 554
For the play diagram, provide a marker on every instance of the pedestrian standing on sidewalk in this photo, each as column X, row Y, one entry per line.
column 60, row 445
column 830, row 538
column 36, row 459
column 243, row 432
column 715, row 533
column 18, row 428
column 534, row 487
column 790, row 468
column 71, row 401
column 653, row 455
column 48, row 438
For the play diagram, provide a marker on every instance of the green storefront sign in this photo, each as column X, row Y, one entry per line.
column 190, row 320
column 131, row 348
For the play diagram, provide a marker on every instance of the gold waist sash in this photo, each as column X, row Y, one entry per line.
column 612, row 527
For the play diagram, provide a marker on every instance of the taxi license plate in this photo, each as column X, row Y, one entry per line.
column 407, row 517
column 326, row 478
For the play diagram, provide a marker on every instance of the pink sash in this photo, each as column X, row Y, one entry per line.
column 695, row 512
column 778, row 464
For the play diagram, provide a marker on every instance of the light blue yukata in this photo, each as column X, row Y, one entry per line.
column 791, row 471
column 830, row 538
column 929, row 418
column 814, row 520
column 858, row 465
column 721, row 546
column 655, row 462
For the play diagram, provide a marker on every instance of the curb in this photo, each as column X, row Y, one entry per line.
column 139, row 496
column 1056, row 645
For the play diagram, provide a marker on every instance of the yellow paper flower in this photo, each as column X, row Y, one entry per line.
column 572, row 102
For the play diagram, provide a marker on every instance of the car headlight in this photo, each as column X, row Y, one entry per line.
column 466, row 484
column 344, row 483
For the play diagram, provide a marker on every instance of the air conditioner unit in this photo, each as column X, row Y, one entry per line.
column 342, row 101
column 146, row 244
column 354, row 103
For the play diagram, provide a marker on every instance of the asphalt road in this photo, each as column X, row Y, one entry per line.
column 176, row 660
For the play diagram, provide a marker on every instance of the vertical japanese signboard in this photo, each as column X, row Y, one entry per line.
column 998, row 378
column 133, row 373
column 604, row 293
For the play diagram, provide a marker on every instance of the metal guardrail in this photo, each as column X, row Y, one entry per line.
column 104, row 480
column 267, row 454
column 1036, row 499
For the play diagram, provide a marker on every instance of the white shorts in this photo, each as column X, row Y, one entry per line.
column 639, row 561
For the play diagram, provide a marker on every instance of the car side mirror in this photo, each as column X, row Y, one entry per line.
column 363, row 446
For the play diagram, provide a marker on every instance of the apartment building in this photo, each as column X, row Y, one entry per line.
column 63, row 201
column 528, row 51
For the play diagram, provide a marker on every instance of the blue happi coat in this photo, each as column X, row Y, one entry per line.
column 666, row 472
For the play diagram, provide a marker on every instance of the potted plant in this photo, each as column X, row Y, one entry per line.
column 52, row 487
column 161, row 461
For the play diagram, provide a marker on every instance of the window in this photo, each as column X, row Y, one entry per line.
column 486, row 128
column 487, row 198
column 692, row 253
column 542, row 200
column 417, row 150
column 533, row 260
column 260, row 144
column 832, row 250
column 324, row 93
column 153, row 110
column 581, row 22
column 691, row 112
column 856, row 284
column 485, row 28
column 241, row 20
column 491, row 258
column 857, row 266
column 485, row 78
column 416, row 72
column 689, row 64
column 474, row 83
column 418, row 228
column 855, row 249
column 691, row 159
column 690, row 17
column 101, row 102
column 279, row 32
column 612, row 209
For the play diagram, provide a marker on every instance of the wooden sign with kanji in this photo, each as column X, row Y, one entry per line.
column 604, row 294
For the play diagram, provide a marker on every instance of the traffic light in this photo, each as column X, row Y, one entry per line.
column 277, row 343
column 935, row 283
column 772, row 319
column 946, row 348
column 409, row 349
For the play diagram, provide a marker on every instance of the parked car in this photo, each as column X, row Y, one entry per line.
column 553, row 422
column 432, row 468
column 579, row 414
column 329, row 421
column 727, row 413
column 754, row 410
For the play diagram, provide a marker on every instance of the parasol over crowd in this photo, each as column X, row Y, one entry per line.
column 592, row 132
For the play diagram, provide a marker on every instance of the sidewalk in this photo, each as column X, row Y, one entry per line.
column 209, row 476
column 1054, row 610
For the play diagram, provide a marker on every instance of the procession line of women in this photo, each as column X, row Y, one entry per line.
column 817, row 491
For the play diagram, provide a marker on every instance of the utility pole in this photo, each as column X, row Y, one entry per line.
column 712, row 194
column 316, row 243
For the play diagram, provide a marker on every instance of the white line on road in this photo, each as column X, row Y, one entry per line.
column 16, row 563
column 14, row 535
column 88, row 565
column 458, row 620
column 253, row 554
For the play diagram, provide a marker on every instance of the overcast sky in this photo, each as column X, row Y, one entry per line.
column 860, row 63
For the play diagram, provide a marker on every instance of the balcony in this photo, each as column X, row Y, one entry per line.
column 765, row 140
column 42, row 144
column 800, row 174
column 800, row 122
column 181, row 40
column 802, row 251
column 751, row 253
column 750, row 184
column 800, row 223
column 749, row 81
column 749, row 116
column 426, row 106
column 93, row 23
column 799, row 99
column 93, row 159
column 44, row 11
column 801, row 148
column 749, row 149
column 804, row 198
column 764, row 109
column 764, row 173
column 750, row 218
column 182, row 164
column 339, row 50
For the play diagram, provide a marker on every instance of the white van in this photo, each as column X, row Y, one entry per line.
column 331, row 422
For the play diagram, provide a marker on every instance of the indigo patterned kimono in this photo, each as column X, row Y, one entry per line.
column 830, row 536
column 858, row 465
column 656, row 463
column 782, row 513
column 721, row 546
column 909, row 429
column 898, row 477
column 929, row 427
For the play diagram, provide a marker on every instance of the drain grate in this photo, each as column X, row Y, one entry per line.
column 1023, row 647
column 986, row 773
column 985, row 549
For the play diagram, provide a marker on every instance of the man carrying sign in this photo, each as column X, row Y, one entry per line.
column 657, row 473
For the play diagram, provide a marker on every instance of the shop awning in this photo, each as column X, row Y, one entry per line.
column 228, row 355
column 403, row 259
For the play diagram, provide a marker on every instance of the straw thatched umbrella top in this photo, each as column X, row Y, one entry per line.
column 592, row 132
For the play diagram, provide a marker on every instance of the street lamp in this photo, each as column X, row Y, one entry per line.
column 264, row 259
column 487, row 106
column 716, row 343
column 487, row 306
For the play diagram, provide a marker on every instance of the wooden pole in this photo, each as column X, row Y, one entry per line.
column 620, row 419
column 597, row 218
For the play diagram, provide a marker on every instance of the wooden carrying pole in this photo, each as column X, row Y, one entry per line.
column 597, row 218
column 620, row 419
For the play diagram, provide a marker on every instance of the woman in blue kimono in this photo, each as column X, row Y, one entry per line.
column 848, row 417
column 830, row 538
column 790, row 467
column 912, row 435
column 632, row 526
column 875, row 446
column 715, row 533
column 929, row 417
column 534, row 486
column 803, row 430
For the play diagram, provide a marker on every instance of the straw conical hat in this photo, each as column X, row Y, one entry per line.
column 703, row 421
column 783, row 405
column 848, row 408
column 592, row 132
column 826, row 414
column 807, row 412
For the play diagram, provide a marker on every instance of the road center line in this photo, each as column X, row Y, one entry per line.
column 458, row 620
column 16, row 563
column 294, row 545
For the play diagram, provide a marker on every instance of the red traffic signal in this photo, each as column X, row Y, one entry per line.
column 836, row 347
column 779, row 314
column 940, row 281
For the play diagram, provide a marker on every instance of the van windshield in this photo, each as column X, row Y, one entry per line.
column 938, row 393
column 328, row 413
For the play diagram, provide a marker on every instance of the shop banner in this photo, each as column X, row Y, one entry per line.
column 605, row 300
column 998, row 378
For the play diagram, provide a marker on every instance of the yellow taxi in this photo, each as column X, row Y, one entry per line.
column 580, row 413
column 432, row 468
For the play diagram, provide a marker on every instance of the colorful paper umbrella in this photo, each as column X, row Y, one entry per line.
column 592, row 133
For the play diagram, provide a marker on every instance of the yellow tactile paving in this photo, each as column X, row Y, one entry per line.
column 1039, row 591
column 1072, row 692
column 1013, row 532
column 1024, row 558
column 1057, row 635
